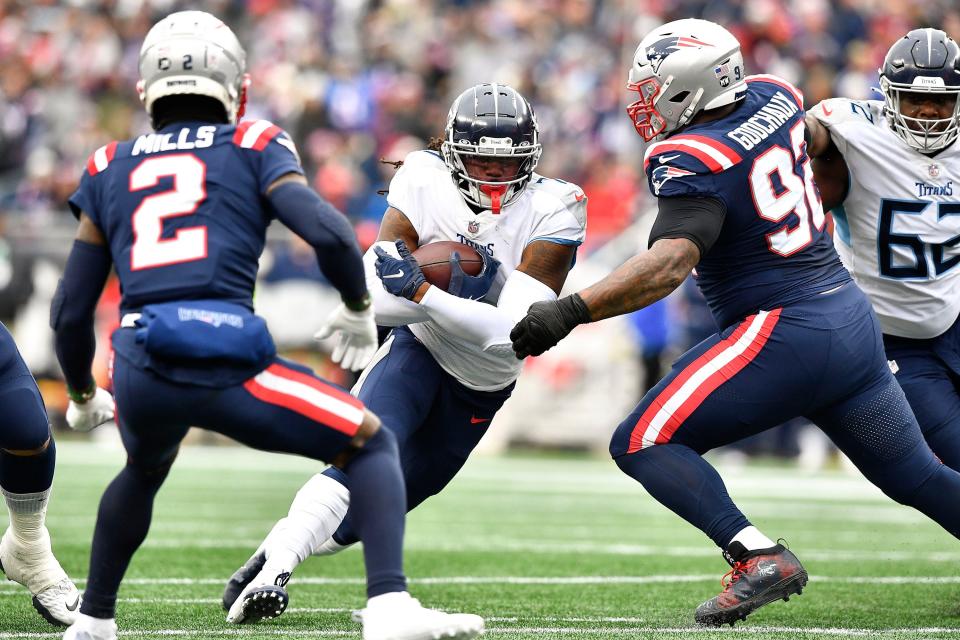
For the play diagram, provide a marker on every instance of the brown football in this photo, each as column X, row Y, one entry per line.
column 434, row 261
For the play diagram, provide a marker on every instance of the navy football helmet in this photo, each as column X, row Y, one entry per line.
column 923, row 61
column 491, row 122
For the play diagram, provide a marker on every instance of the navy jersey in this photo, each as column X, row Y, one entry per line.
column 183, row 209
column 773, row 249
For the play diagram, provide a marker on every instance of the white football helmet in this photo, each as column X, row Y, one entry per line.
column 680, row 69
column 193, row 52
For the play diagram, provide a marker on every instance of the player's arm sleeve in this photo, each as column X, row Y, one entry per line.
column 698, row 219
column 329, row 233
column 390, row 310
column 481, row 323
column 277, row 158
column 567, row 224
column 72, row 311
column 84, row 199
column 839, row 115
column 403, row 191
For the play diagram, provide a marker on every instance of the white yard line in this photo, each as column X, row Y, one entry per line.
column 545, row 631
column 532, row 580
column 555, row 547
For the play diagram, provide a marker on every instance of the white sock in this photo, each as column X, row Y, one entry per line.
column 316, row 512
column 100, row 626
column 751, row 538
column 388, row 599
column 28, row 511
column 329, row 547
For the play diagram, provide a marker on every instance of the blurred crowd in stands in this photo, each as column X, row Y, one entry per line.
column 357, row 81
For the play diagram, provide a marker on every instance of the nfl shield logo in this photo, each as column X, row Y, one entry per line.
column 473, row 226
column 934, row 170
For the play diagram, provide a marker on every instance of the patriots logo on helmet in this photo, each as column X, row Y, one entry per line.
column 659, row 50
column 665, row 172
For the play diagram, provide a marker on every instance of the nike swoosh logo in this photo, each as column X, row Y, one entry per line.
column 398, row 274
column 579, row 196
column 75, row 604
column 827, row 110
column 476, row 420
column 664, row 159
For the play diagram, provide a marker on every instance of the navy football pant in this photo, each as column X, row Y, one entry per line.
column 23, row 426
column 437, row 420
column 823, row 359
column 929, row 373
column 285, row 408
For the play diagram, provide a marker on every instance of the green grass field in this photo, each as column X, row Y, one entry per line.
column 542, row 547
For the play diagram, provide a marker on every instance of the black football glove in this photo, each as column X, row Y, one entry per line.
column 472, row 287
column 400, row 276
column 546, row 324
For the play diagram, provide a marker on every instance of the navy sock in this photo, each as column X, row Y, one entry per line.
column 122, row 524
column 378, row 505
column 28, row 474
column 681, row 480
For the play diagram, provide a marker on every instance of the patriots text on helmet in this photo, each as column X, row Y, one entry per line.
column 768, row 119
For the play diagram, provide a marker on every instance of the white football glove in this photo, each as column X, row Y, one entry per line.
column 92, row 413
column 358, row 336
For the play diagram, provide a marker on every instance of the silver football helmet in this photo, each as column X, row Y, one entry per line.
column 680, row 69
column 193, row 52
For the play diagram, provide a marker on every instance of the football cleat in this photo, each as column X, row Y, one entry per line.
column 757, row 578
column 33, row 565
column 263, row 598
column 397, row 616
column 89, row 628
column 242, row 577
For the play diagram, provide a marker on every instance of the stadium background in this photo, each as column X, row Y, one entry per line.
column 357, row 81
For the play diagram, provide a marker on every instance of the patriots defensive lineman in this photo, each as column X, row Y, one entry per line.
column 737, row 201
column 447, row 367
column 898, row 220
column 27, row 458
column 182, row 215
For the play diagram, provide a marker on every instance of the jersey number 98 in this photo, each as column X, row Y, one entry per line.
column 793, row 194
column 187, row 244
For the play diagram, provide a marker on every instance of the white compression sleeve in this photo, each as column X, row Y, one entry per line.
column 391, row 310
column 481, row 323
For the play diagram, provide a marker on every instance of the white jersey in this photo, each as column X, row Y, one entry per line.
column 898, row 230
column 548, row 209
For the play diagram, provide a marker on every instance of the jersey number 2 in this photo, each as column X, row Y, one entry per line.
column 187, row 244
column 791, row 194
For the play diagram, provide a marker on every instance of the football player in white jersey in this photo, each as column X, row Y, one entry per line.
column 447, row 366
column 890, row 170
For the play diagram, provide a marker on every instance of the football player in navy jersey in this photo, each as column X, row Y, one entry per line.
column 27, row 458
column 181, row 214
column 737, row 201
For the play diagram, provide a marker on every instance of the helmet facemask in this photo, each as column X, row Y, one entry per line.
column 482, row 191
column 925, row 135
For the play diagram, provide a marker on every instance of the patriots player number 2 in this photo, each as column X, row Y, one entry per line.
column 149, row 248
column 791, row 193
